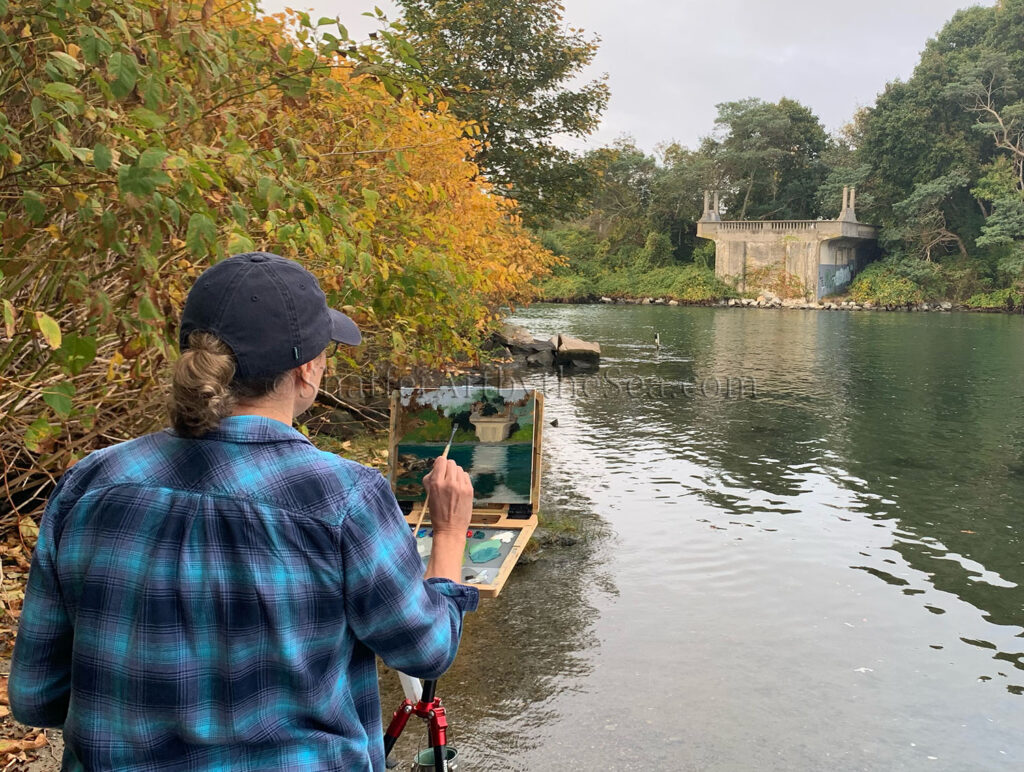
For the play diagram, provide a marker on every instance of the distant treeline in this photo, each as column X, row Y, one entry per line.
column 938, row 161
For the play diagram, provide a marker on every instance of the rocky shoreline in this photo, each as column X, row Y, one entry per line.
column 558, row 351
column 768, row 300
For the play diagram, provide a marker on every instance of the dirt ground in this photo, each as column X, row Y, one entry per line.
column 21, row 747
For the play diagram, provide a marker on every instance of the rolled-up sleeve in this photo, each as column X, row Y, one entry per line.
column 40, row 681
column 413, row 624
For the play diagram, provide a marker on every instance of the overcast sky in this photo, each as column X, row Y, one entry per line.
column 669, row 62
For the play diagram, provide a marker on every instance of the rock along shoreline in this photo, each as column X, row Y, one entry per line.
column 768, row 300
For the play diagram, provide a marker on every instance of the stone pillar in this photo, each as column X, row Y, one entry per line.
column 707, row 206
column 848, row 214
column 718, row 210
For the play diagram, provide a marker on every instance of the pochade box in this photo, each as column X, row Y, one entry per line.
column 498, row 441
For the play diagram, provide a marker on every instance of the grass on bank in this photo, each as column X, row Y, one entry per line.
column 890, row 282
column 685, row 283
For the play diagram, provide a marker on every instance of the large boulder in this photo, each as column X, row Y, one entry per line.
column 514, row 337
column 576, row 352
column 542, row 358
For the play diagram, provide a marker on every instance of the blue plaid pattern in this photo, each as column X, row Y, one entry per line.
column 216, row 604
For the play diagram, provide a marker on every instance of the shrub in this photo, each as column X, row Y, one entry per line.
column 882, row 285
column 1008, row 298
column 566, row 288
column 141, row 142
column 704, row 254
column 687, row 283
column 657, row 252
column 777, row 280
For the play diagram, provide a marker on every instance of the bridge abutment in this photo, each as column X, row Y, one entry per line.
column 824, row 255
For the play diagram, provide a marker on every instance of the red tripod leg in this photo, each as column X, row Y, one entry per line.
column 438, row 734
column 398, row 721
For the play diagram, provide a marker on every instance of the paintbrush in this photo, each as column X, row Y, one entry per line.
column 449, row 445
column 423, row 509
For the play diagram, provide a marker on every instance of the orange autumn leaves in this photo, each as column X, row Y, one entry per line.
column 139, row 144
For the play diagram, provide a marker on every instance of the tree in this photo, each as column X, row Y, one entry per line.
column 920, row 220
column 770, row 158
column 506, row 64
column 140, row 145
column 1003, row 231
column 845, row 168
column 619, row 199
column 921, row 129
column 677, row 198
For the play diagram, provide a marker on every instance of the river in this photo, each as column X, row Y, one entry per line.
column 800, row 550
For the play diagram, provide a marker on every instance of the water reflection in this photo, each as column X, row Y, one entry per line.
column 525, row 648
column 846, row 541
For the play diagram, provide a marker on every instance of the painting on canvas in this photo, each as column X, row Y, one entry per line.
column 493, row 440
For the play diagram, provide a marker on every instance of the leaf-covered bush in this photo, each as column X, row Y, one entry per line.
column 686, row 283
column 880, row 283
column 1006, row 299
column 141, row 141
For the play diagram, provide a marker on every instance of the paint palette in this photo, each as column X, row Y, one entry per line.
column 498, row 441
column 487, row 550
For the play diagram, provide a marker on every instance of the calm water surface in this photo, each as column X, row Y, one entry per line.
column 826, row 573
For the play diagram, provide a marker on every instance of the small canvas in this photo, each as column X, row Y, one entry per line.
column 494, row 437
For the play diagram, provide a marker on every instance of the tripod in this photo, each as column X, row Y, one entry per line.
column 427, row 706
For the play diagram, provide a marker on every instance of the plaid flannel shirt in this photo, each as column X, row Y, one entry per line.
column 216, row 604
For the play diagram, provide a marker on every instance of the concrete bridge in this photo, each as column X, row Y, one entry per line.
column 824, row 255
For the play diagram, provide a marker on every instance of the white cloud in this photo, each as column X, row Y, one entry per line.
column 670, row 61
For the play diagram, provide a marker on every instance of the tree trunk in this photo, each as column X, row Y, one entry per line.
column 746, row 198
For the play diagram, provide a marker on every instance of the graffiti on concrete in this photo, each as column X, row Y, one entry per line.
column 833, row 278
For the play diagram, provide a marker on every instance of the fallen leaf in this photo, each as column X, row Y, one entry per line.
column 29, row 743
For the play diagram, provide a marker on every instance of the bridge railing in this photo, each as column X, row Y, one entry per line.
column 754, row 226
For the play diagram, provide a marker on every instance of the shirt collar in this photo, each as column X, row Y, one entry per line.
column 253, row 429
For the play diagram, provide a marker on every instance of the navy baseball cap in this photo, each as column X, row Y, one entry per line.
column 268, row 309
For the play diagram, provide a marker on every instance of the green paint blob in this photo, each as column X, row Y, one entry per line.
column 484, row 551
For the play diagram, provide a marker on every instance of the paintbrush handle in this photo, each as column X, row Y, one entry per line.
column 449, row 445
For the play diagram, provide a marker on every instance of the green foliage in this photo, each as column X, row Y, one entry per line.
column 618, row 203
column 882, row 284
column 770, row 158
column 919, row 221
column 1006, row 299
column 428, row 426
column 507, row 64
column 685, row 283
column 522, row 434
column 946, row 148
column 141, row 142
column 567, row 288
column 657, row 252
column 899, row 281
column 704, row 255
column 1005, row 225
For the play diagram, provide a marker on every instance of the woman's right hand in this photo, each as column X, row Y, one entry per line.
column 449, row 497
